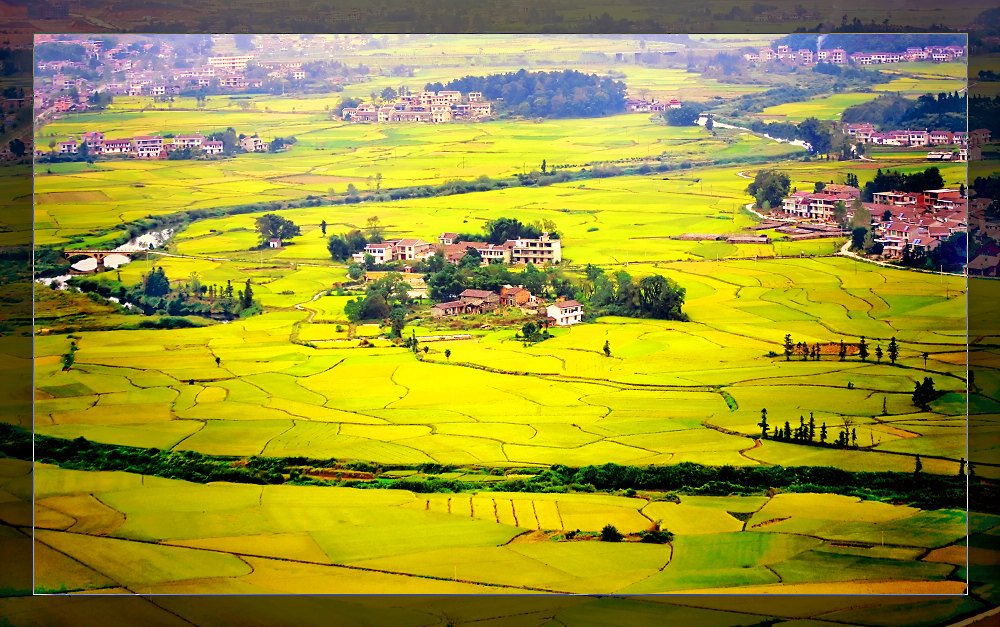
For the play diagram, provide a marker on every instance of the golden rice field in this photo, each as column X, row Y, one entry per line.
column 119, row 532
column 296, row 380
column 660, row 397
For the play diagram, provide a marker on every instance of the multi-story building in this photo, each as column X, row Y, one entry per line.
column 235, row 63
column 67, row 148
column 116, row 146
column 412, row 249
column 189, row 141
column 94, row 141
column 148, row 146
column 544, row 250
column 212, row 147
column 254, row 144
column 814, row 206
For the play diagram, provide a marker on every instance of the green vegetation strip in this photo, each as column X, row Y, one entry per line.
column 923, row 490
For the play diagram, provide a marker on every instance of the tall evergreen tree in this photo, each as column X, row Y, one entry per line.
column 789, row 347
column 863, row 349
column 893, row 350
column 247, row 299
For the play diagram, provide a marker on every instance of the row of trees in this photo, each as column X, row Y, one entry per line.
column 154, row 294
column 806, row 432
column 806, row 351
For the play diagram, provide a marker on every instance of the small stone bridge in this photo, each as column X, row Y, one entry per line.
column 99, row 255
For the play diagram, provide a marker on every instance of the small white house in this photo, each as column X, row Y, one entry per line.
column 565, row 313
column 274, row 243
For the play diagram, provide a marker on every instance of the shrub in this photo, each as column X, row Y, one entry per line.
column 610, row 534
column 657, row 537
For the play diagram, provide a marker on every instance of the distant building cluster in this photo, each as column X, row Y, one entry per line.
column 921, row 220
column 542, row 251
column 838, row 56
column 970, row 144
column 642, row 105
column 470, row 301
column 150, row 146
column 425, row 106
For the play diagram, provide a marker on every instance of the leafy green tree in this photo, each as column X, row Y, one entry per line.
column 156, row 283
column 355, row 271
column 447, row 353
column 862, row 216
column 858, row 238
column 471, row 259
column 397, row 318
column 375, row 229
column 893, row 350
column 339, row 249
column 528, row 330
column 660, row 298
column 607, row 349
column 272, row 226
column 771, row 186
column 840, row 213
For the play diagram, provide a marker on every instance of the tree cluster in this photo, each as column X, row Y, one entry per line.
column 769, row 188
column 891, row 180
column 272, row 226
column 545, row 94
column 154, row 294
column 653, row 296
column 946, row 112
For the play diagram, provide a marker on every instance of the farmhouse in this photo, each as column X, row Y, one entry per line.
column 481, row 299
column 566, row 312
column 515, row 296
column 452, row 308
column 274, row 243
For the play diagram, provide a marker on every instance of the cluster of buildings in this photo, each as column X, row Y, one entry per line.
column 559, row 313
column 969, row 144
column 425, row 106
column 838, row 56
column 542, row 251
column 641, row 105
column 866, row 133
column 920, row 220
column 150, row 146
